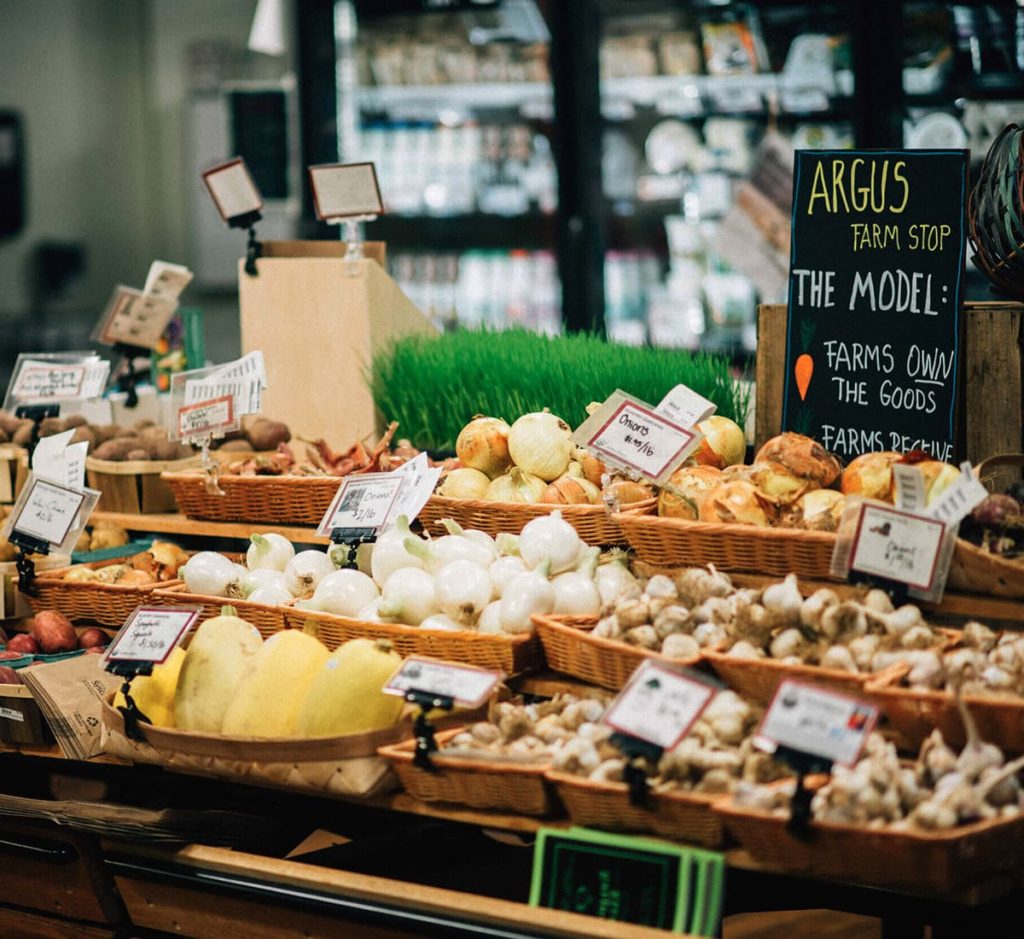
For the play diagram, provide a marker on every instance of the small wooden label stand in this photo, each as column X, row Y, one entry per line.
column 990, row 406
column 319, row 327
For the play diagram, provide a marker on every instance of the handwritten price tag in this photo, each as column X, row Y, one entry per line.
column 685, row 407
column 48, row 512
column 659, row 705
column 135, row 318
column 812, row 720
column 365, row 501
column 628, row 433
column 420, row 480
column 206, row 418
column 467, row 686
column 898, row 545
column 150, row 634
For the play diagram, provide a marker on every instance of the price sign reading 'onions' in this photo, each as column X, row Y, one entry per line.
column 365, row 501
column 630, row 434
column 48, row 512
column 659, row 705
column 467, row 686
column 897, row 545
column 150, row 634
column 817, row 722
column 216, row 416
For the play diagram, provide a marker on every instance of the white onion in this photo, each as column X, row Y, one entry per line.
column 576, row 594
column 464, row 483
column 435, row 554
column 344, row 592
column 614, row 580
column 503, row 570
column 463, row 590
column 541, row 444
column 408, row 597
column 271, row 595
column 270, row 551
column 442, row 621
column 305, row 570
column 525, row 595
column 389, row 551
column 507, row 544
column 473, row 534
column 261, row 578
column 550, row 537
column 516, row 486
column 490, row 619
column 371, row 612
column 209, row 573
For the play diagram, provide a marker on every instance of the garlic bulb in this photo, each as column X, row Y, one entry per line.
column 541, row 444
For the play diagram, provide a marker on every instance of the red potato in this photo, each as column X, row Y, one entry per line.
column 8, row 676
column 22, row 643
column 99, row 650
column 4, row 656
column 92, row 638
column 54, row 632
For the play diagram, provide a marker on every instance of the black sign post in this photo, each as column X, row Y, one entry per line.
column 875, row 290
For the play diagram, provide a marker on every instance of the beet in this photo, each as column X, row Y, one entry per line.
column 996, row 511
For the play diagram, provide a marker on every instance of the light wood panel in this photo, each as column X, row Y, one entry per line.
column 177, row 524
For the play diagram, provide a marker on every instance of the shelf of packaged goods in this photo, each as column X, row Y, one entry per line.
column 176, row 524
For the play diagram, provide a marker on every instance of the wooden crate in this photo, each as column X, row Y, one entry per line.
column 21, row 721
column 991, row 401
column 134, row 486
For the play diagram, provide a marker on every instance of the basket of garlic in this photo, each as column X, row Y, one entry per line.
column 106, row 592
column 946, row 820
column 511, row 475
column 464, row 596
column 987, row 667
column 589, row 771
column 498, row 764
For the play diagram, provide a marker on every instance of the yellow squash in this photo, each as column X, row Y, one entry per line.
column 154, row 694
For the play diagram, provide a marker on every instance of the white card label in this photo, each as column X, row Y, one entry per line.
column 685, row 407
column 659, row 705
column 48, row 512
column 150, row 634
column 9, row 714
column 960, row 498
column 48, row 456
column 628, row 433
column 343, row 190
column 910, row 492
column 167, row 280
column 364, row 501
column 420, row 480
column 40, row 381
column 898, row 545
column 232, row 189
column 244, row 380
column 74, row 465
column 467, row 686
column 815, row 721
column 135, row 318
column 206, row 418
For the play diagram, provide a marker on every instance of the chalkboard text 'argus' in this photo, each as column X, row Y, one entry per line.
column 853, row 187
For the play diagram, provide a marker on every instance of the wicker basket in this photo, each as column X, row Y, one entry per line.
column 913, row 714
column 685, row 816
column 498, row 785
column 267, row 619
column 106, row 604
column 512, row 655
column 571, row 649
column 673, row 542
column 135, row 486
column 935, row 860
column 592, row 522
column 280, row 500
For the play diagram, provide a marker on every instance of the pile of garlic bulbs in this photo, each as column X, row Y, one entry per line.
column 985, row 663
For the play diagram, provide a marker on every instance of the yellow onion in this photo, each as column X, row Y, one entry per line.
column 802, row 456
column 515, row 486
column 621, row 491
column 773, row 479
column 593, row 468
column 80, row 574
column 572, row 490
column 817, row 510
column 870, row 475
column 724, row 443
column 686, row 489
column 937, row 477
column 737, row 502
column 464, row 483
column 483, row 445
column 574, row 469
column 541, row 444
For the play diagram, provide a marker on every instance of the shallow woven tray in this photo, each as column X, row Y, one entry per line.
column 106, row 604
column 977, row 571
column 282, row 500
column 499, row 785
column 914, row 714
column 267, row 619
column 685, row 816
column 935, row 860
column 673, row 542
column 593, row 523
column 511, row 654
column 570, row 649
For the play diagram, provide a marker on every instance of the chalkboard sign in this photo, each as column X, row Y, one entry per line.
column 875, row 288
column 632, row 880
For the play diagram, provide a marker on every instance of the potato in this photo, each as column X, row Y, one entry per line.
column 4, row 436
column 51, row 425
column 265, row 434
column 8, row 676
column 23, row 435
column 105, row 432
column 23, row 644
column 75, row 420
column 164, row 449
column 9, row 423
column 118, row 448
column 84, row 434
column 83, row 543
column 137, row 454
column 108, row 536
column 141, row 425
column 236, row 446
column 54, row 632
column 93, row 636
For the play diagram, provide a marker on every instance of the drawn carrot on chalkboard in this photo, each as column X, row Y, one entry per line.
column 803, row 369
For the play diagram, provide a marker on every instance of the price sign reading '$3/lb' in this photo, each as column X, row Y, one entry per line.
column 629, row 433
column 815, row 721
column 365, row 501
column 206, row 417
column 659, row 705
column 150, row 634
column 467, row 686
